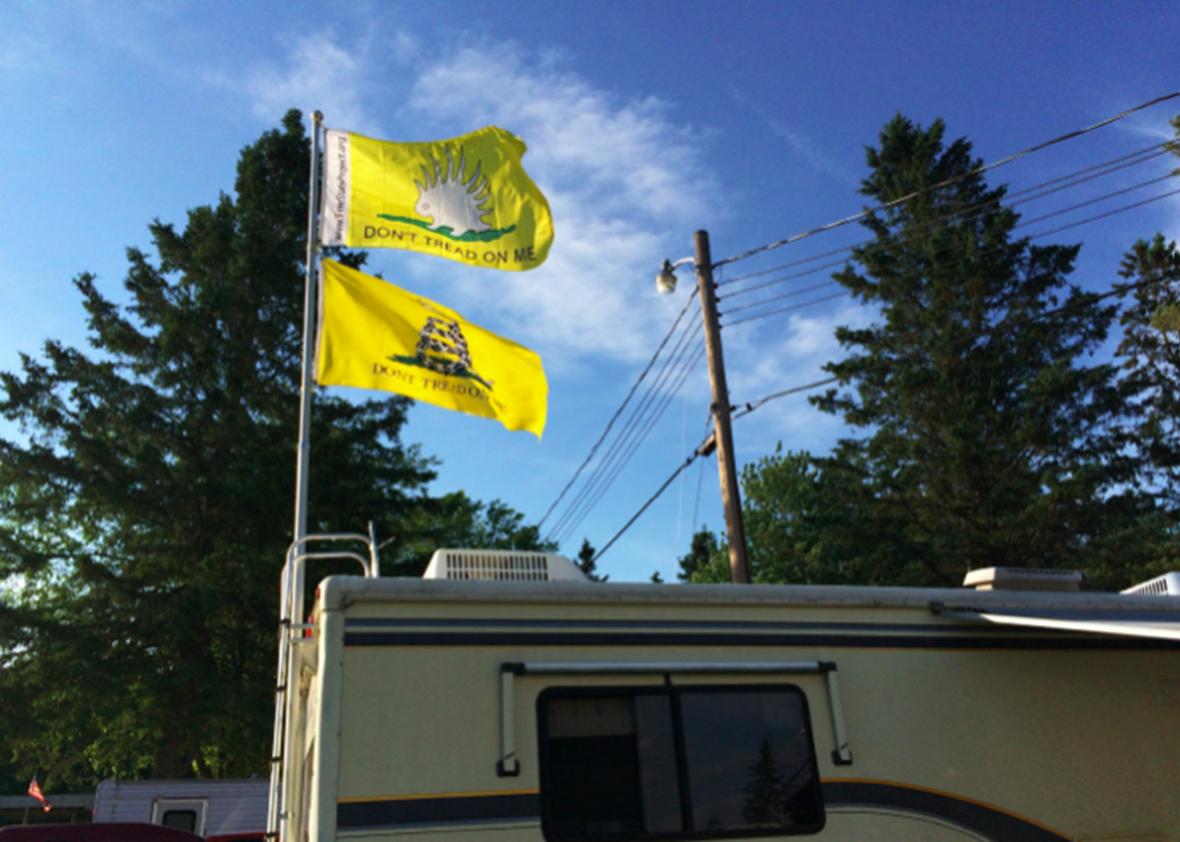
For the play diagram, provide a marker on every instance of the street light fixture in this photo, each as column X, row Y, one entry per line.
column 666, row 279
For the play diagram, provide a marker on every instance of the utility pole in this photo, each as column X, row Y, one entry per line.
column 739, row 565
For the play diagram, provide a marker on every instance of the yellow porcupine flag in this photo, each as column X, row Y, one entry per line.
column 373, row 335
column 467, row 199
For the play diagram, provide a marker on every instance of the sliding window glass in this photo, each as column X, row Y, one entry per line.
column 677, row 762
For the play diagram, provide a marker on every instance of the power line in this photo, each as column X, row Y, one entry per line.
column 1038, row 235
column 635, row 446
column 623, row 436
column 703, row 448
column 617, row 413
column 872, row 246
column 622, row 462
column 975, row 210
column 781, row 296
column 794, row 238
column 621, row 439
column 794, row 390
column 1090, row 298
column 792, row 308
column 1139, row 156
column 650, row 500
column 1094, row 201
column 1109, row 213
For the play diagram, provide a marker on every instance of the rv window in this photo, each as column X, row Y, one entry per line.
column 180, row 819
column 674, row 762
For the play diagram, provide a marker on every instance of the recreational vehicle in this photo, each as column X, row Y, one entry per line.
column 503, row 699
column 232, row 809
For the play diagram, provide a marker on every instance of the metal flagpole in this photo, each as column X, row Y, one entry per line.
column 309, row 303
column 275, row 812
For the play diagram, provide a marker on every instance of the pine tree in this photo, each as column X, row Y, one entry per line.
column 764, row 803
column 586, row 562
column 987, row 432
column 1150, row 349
column 145, row 506
column 707, row 559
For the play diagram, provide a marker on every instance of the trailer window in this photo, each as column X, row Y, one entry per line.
column 181, row 813
column 672, row 762
column 180, row 819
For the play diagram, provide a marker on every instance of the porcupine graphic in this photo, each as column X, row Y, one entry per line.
column 452, row 202
column 450, row 198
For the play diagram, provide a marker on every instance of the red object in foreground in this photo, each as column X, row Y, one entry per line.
column 110, row 832
column 35, row 791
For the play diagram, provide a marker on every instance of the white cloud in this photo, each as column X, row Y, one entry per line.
column 628, row 154
column 318, row 73
column 1157, row 127
column 784, row 355
column 798, row 143
column 1152, row 126
column 625, row 183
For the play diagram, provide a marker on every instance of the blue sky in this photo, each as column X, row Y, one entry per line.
column 645, row 121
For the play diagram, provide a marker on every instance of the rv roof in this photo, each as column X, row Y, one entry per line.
column 337, row 591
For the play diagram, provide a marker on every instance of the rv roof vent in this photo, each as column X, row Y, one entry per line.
column 502, row 566
column 1022, row 579
column 1166, row 585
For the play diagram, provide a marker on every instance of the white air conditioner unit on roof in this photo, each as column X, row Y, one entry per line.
column 502, row 566
column 1022, row 579
column 1165, row 585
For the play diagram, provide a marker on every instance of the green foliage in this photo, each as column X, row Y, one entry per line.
column 707, row 561
column 145, row 506
column 586, row 562
column 455, row 520
column 1150, row 353
column 798, row 514
column 988, row 436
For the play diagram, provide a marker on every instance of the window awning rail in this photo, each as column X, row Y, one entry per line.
column 508, row 765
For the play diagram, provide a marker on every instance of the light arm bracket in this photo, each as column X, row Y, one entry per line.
column 666, row 279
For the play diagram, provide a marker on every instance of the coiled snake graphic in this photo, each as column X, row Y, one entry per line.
column 444, row 337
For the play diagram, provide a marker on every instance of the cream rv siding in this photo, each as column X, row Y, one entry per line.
column 957, row 730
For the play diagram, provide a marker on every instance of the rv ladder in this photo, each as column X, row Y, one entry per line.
column 291, row 626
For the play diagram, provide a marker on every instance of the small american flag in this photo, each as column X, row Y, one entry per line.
column 35, row 791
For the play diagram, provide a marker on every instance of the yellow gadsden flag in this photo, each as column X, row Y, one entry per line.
column 375, row 336
column 467, row 199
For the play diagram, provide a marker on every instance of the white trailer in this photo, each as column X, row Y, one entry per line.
column 456, row 710
column 210, row 808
